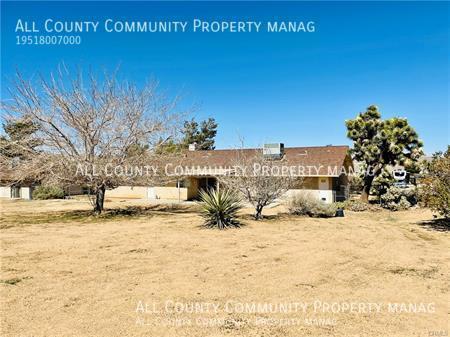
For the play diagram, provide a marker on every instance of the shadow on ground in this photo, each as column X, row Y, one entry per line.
column 267, row 217
column 441, row 225
column 88, row 216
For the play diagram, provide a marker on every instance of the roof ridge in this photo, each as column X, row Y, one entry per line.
column 258, row 148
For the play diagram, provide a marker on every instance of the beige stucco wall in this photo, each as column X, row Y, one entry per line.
column 172, row 192
column 129, row 192
column 311, row 183
column 314, row 187
column 25, row 192
column 328, row 184
column 168, row 192
column 192, row 186
column 191, row 189
column 318, row 194
column 5, row 192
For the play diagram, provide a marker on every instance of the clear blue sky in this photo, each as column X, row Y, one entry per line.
column 293, row 88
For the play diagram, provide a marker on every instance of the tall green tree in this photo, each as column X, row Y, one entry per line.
column 19, row 139
column 190, row 133
column 168, row 146
column 378, row 143
column 202, row 134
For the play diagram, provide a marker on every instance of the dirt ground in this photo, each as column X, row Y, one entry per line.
column 160, row 273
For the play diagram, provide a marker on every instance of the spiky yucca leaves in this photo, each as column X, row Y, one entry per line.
column 378, row 143
column 219, row 208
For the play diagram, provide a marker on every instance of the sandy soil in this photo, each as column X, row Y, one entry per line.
column 93, row 278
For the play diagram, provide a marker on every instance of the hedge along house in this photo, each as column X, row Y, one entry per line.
column 324, row 171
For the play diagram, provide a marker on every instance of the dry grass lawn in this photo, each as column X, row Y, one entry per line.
column 70, row 274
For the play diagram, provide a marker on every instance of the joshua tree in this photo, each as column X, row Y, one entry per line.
column 91, row 123
column 378, row 143
column 20, row 139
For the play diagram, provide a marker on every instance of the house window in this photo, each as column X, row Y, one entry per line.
column 15, row 192
column 184, row 183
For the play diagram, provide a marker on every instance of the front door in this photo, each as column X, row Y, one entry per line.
column 207, row 183
column 324, row 189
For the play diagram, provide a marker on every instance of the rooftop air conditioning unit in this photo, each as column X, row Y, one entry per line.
column 273, row 151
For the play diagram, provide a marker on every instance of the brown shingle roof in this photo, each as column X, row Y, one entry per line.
column 322, row 157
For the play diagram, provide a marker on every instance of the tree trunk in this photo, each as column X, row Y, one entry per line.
column 368, row 179
column 99, row 199
column 258, row 212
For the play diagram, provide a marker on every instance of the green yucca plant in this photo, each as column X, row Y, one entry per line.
column 219, row 208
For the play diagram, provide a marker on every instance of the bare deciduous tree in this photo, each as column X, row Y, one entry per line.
column 91, row 122
column 260, row 180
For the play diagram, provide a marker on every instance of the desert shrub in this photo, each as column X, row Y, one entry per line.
column 355, row 183
column 340, row 204
column 219, row 208
column 45, row 192
column 397, row 199
column 300, row 203
column 324, row 210
column 307, row 204
column 357, row 206
column 435, row 187
column 402, row 204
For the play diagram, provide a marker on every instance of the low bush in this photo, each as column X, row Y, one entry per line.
column 307, row 204
column 219, row 208
column 340, row 204
column 44, row 192
column 397, row 199
column 357, row 206
column 435, row 185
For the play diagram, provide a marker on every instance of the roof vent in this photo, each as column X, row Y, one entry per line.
column 273, row 151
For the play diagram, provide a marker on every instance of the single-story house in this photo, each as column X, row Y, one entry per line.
column 16, row 191
column 24, row 190
column 13, row 189
column 324, row 171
